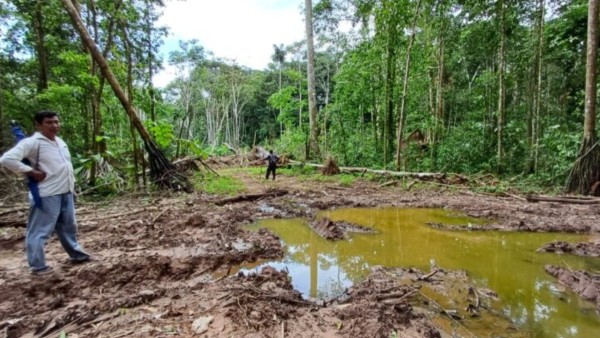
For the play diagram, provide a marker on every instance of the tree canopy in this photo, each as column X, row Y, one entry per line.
column 491, row 87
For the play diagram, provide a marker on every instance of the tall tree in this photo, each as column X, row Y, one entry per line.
column 312, row 95
column 38, row 23
column 389, row 21
column 586, row 170
column 401, row 112
column 162, row 170
column 501, row 14
column 279, row 57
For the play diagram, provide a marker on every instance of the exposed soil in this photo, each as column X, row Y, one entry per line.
column 164, row 261
column 583, row 283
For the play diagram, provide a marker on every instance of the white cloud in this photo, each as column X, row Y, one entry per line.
column 240, row 30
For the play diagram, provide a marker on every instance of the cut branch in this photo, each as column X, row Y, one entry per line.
column 563, row 199
column 251, row 197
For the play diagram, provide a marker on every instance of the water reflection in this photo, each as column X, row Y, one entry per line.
column 505, row 262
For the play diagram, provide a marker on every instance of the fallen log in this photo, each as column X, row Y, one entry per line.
column 563, row 199
column 251, row 197
column 437, row 176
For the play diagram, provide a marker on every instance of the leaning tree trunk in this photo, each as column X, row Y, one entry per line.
column 162, row 170
column 586, row 170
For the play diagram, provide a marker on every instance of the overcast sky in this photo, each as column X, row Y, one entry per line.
column 241, row 30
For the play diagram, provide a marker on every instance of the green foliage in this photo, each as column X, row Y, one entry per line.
column 219, row 185
column 287, row 104
column 467, row 149
column 108, row 180
column 221, row 150
column 162, row 132
column 293, row 143
column 193, row 148
column 359, row 81
column 559, row 150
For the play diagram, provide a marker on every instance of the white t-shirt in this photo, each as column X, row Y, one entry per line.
column 54, row 160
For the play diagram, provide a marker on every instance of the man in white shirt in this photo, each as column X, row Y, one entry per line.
column 51, row 167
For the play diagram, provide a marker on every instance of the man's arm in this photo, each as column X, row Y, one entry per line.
column 12, row 160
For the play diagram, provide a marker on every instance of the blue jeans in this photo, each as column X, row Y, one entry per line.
column 58, row 215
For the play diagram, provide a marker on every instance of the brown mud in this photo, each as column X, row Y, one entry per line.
column 583, row 283
column 158, row 255
column 589, row 249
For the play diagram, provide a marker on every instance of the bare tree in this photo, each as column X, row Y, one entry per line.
column 238, row 101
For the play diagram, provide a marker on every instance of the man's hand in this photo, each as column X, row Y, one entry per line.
column 37, row 175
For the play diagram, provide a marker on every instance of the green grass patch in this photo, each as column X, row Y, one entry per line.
column 219, row 185
column 305, row 174
column 284, row 171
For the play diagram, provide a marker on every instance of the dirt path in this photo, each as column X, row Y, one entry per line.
column 164, row 263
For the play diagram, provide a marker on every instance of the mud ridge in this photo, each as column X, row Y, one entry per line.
column 583, row 283
column 588, row 249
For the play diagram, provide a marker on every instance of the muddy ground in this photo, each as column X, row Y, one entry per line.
column 164, row 262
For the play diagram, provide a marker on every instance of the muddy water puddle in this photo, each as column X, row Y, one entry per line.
column 506, row 262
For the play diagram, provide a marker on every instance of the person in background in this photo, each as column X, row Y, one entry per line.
column 50, row 165
column 271, row 164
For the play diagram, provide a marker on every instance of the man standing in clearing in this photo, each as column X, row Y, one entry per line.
column 272, row 164
column 51, row 167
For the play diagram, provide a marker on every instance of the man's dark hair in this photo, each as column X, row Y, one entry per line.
column 271, row 151
column 40, row 116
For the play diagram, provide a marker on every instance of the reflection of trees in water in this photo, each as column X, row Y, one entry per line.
column 308, row 248
column 505, row 262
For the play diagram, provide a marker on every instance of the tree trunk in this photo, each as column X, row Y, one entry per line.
column 151, row 91
column 162, row 170
column 136, row 152
column 401, row 114
column 501, row 85
column 98, row 142
column 40, row 34
column 300, row 95
column 2, row 144
column 440, row 110
column 95, row 105
column 538, row 94
column 389, row 95
column 312, row 96
column 586, row 170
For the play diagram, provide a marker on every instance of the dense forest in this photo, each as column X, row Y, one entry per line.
column 415, row 85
